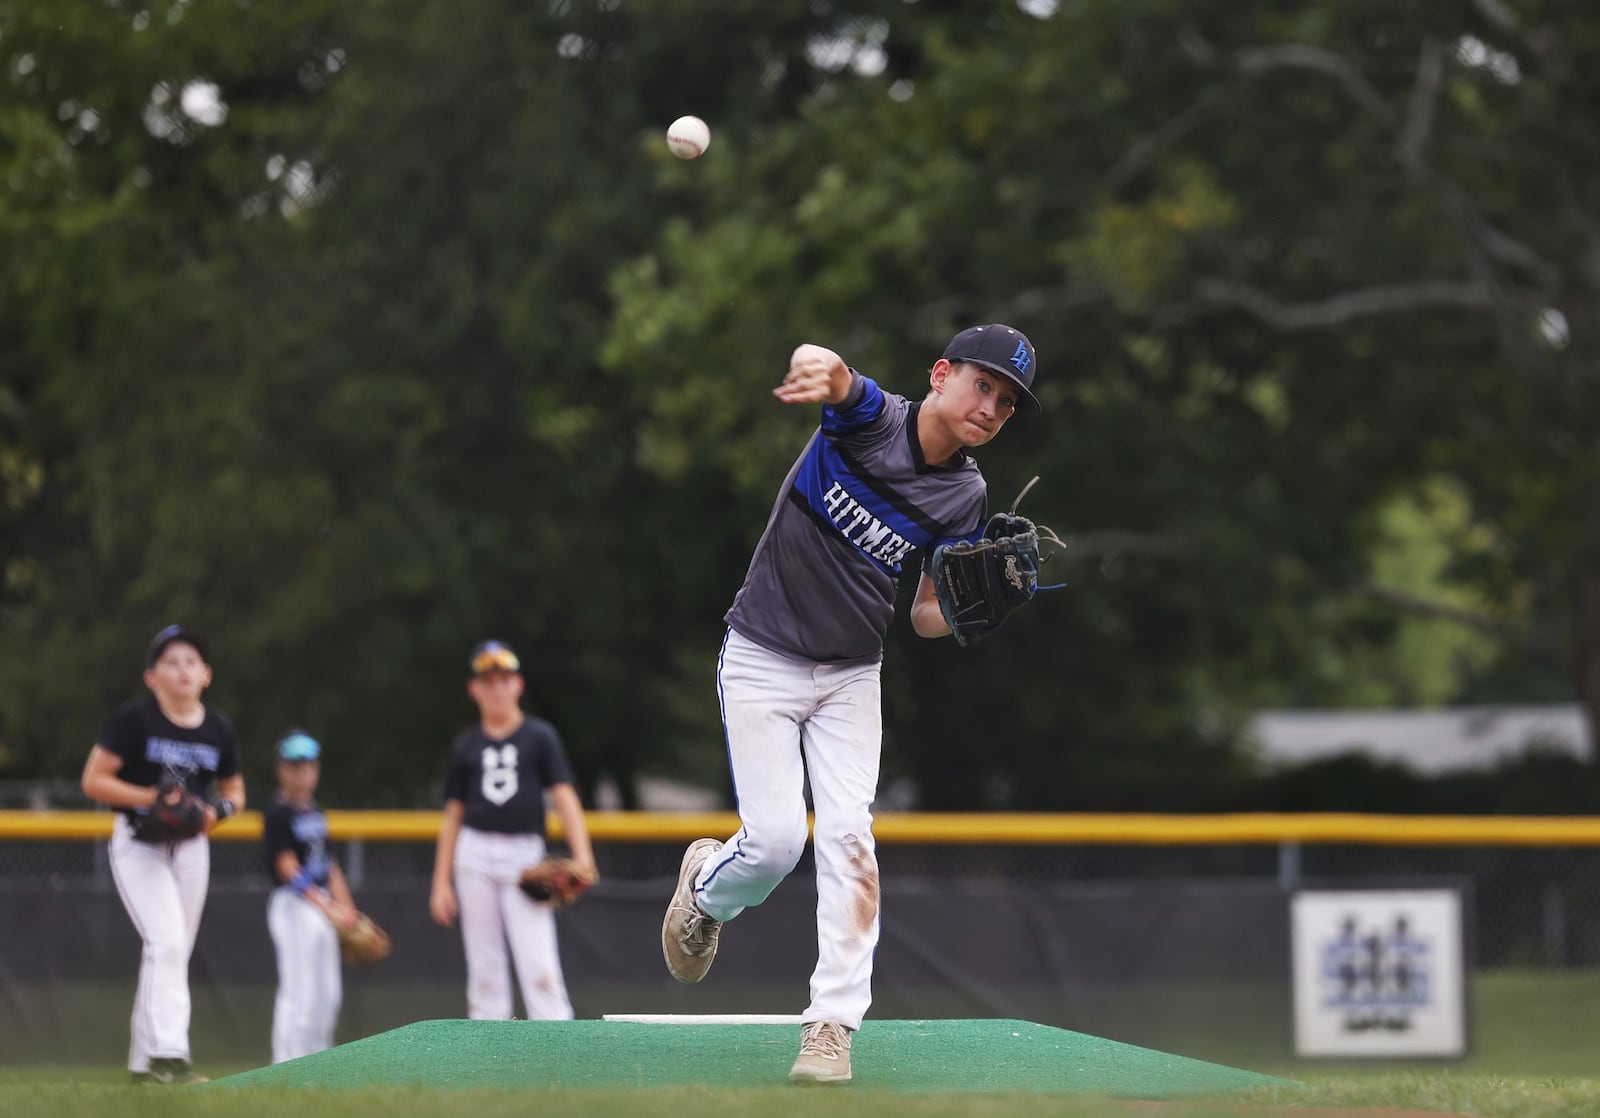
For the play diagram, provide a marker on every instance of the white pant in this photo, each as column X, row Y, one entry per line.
column 310, row 984
column 493, row 911
column 786, row 720
column 163, row 887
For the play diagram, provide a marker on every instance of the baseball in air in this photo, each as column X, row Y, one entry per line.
column 688, row 137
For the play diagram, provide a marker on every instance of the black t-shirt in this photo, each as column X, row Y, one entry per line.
column 150, row 743
column 502, row 782
column 304, row 830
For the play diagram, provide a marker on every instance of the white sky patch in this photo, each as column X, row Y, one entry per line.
column 1479, row 55
column 300, row 181
column 158, row 115
column 172, row 114
column 1039, row 9
column 859, row 45
column 870, row 61
column 831, row 54
column 202, row 103
column 572, row 45
column 1553, row 328
column 902, row 90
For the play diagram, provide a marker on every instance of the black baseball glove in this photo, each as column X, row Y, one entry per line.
column 981, row 584
column 177, row 813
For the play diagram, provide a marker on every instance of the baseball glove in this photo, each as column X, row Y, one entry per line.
column 362, row 942
column 177, row 813
column 556, row 881
column 981, row 584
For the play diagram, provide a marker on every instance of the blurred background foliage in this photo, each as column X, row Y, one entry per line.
column 354, row 332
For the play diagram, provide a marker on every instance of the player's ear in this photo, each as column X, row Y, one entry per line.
column 939, row 374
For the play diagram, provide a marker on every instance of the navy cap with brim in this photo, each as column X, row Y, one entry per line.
column 171, row 633
column 1000, row 349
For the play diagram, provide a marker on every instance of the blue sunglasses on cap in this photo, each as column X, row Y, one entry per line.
column 299, row 747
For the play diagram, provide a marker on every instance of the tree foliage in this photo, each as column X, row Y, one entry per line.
column 357, row 332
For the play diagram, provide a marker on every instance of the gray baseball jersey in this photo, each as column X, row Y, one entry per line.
column 856, row 503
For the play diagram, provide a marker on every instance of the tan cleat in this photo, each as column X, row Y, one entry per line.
column 688, row 935
column 824, row 1054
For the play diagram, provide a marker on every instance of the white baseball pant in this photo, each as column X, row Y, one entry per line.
column 494, row 910
column 163, row 886
column 305, row 1012
column 786, row 721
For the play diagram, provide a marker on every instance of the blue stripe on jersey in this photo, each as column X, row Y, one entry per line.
column 882, row 532
column 888, row 493
column 860, row 414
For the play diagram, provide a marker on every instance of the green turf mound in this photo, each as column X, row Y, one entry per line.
column 941, row 1056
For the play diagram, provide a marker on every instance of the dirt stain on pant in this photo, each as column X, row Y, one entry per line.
column 863, row 884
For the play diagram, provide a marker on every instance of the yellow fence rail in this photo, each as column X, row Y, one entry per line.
column 931, row 828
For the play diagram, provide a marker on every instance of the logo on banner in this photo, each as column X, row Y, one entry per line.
column 1376, row 976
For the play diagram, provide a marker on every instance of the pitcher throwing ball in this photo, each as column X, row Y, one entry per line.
column 798, row 676
column 155, row 760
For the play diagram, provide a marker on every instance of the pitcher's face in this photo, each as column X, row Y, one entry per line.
column 974, row 402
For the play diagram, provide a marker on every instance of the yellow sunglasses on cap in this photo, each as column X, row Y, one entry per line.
column 499, row 659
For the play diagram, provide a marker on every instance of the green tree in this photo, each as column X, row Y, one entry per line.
column 1277, row 281
column 358, row 332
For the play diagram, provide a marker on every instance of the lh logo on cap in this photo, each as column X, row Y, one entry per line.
column 1020, row 358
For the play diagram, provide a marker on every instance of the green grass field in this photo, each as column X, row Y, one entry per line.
column 41, row 1093
column 1536, row 1053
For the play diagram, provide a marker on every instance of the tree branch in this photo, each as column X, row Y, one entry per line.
column 1143, row 153
column 1496, row 244
column 1341, row 308
column 1542, row 41
column 1418, row 126
column 1411, row 151
column 1498, row 14
column 1443, row 611
column 1255, row 60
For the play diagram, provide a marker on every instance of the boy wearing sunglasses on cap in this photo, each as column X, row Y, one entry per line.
column 500, row 775
column 311, row 900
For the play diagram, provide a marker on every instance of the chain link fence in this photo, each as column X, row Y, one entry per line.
column 1532, row 906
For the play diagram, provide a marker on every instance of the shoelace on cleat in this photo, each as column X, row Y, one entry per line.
column 823, row 1038
column 699, row 936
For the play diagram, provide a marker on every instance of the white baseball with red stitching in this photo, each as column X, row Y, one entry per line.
column 688, row 137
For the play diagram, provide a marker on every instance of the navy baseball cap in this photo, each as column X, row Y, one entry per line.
column 493, row 656
column 297, row 745
column 1001, row 349
column 159, row 642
